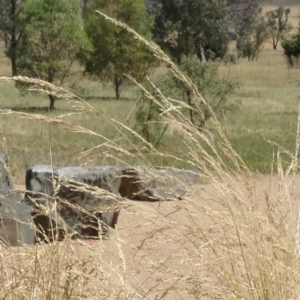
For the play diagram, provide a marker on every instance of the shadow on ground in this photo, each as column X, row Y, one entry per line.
column 105, row 98
column 33, row 109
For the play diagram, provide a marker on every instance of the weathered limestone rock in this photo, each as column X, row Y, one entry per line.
column 16, row 227
column 101, row 205
column 40, row 181
column 105, row 177
column 5, row 182
column 88, row 199
column 163, row 184
column 84, row 200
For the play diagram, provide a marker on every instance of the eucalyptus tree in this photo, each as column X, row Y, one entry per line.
column 115, row 51
column 278, row 24
column 11, row 28
column 53, row 35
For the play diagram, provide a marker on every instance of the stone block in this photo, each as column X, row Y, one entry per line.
column 81, row 209
column 16, row 226
column 155, row 185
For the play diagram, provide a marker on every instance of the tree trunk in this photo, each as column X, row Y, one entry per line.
column 13, row 40
column 84, row 8
column 117, row 84
column 52, row 101
column 203, row 58
column 178, row 49
column 199, row 50
column 186, row 44
column 275, row 40
column 189, row 101
column 6, row 40
column 13, row 59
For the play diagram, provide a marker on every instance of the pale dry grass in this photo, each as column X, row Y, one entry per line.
column 269, row 95
column 226, row 240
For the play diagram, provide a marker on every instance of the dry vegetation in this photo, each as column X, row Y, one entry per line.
column 235, row 237
column 292, row 4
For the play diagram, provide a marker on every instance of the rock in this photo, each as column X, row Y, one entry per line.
column 106, row 177
column 101, row 209
column 5, row 182
column 175, row 184
column 16, row 227
column 40, row 181
column 133, row 184
column 163, row 184
column 88, row 198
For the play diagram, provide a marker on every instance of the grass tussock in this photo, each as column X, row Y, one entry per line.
column 61, row 271
column 231, row 238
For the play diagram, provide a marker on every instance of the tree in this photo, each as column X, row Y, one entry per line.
column 291, row 47
column 204, row 75
column 251, row 34
column 115, row 51
column 202, row 27
column 53, row 34
column 191, row 27
column 11, row 28
column 235, row 8
column 214, row 90
column 277, row 24
column 238, row 8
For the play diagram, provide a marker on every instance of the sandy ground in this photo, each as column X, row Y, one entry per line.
column 152, row 245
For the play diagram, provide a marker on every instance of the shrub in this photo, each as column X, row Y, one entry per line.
column 205, row 76
column 291, row 47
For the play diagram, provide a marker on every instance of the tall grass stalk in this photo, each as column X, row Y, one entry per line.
column 234, row 240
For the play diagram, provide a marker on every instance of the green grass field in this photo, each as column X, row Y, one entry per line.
column 268, row 93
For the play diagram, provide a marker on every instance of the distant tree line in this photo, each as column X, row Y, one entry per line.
column 44, row 38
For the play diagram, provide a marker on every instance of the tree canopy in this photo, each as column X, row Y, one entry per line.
column 11, row 28
column 115, row 51
column 192, row 26
column 201, row 27
column 277, row 24
column 53, row 34
column 291, row 47
column 251, row 33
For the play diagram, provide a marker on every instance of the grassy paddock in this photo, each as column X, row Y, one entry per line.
column 269, row 96
column 268, row 93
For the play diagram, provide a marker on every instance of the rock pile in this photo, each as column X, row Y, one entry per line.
column 15, row 216
column 157, row 185
column 81, row 201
